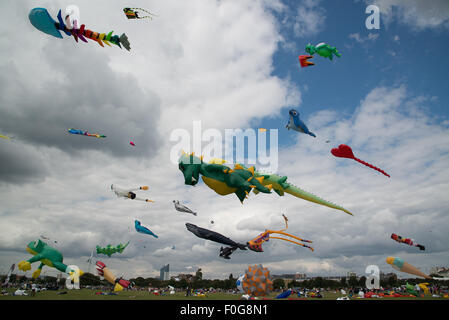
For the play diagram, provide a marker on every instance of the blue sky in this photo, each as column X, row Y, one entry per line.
column 400, row 55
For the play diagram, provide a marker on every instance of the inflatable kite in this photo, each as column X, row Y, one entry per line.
column 8, row 276
column 216, row 237
column 256, row 243
column 296, row 124
column 344, row 151
column 41, row 20
column 132, row 143
column 403, row 266
column 411, row 289
column 129, row 193
column 85, row 133
column 46, row 255
column 118, row 283
column 256, row 281
column 142, row 229
column 424, row 288
column 110, row 250
column 241, row 180
column 408, row 241
column 5, row 137
column 284, row 294
column 138, row 13
column 324, row 50
column 182, row 208
column 303, row 61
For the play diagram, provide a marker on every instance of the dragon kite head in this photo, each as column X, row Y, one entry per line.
column 310, row 49
column 190, row 168
column 35, row 247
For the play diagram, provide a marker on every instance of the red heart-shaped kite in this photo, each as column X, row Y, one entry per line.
column 344, row 151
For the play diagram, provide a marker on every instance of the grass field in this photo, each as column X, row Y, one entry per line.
column 87, row 294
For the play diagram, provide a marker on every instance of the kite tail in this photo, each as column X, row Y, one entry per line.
column 372, row 167
column 297, row 192
column 280, row 186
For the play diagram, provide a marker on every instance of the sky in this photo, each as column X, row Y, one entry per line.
column 230, row 65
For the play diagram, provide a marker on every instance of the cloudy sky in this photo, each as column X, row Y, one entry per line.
column 229, row 64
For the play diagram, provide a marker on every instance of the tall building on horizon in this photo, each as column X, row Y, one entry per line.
column 164, row 272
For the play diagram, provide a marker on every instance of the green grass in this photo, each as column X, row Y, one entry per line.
column 88, row 294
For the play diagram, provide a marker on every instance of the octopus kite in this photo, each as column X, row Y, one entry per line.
column 41, row 20
column 241, row 180
column 256, row 243
column 344, row 151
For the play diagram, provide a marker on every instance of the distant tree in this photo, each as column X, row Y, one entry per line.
column 181, row 283
column 343, row 282
column 278, row 284
column 89, row 279
column 352, row 282
column 199, row 274
column 139, row 282
column 362, row 281
column 319, row 282
column 392, row 281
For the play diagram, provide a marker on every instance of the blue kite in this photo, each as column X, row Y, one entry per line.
column 296, row 124
column 142, row 229
column 284, row 294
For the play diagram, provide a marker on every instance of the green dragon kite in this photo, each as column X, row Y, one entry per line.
column 46, row 255
column 241, row 180
column 323, row 49
column 110, row 250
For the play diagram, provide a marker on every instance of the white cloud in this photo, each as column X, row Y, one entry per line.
column 310, row 19
column 360, row 39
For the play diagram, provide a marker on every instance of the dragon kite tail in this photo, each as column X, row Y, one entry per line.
column 371, row 166
column 297, row 192
column 280, row 186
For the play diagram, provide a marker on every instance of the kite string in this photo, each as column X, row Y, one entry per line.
column 371, row 166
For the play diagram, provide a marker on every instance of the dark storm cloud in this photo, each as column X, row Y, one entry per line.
column 88, row 96
column 48, row 85
column 19, row 164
